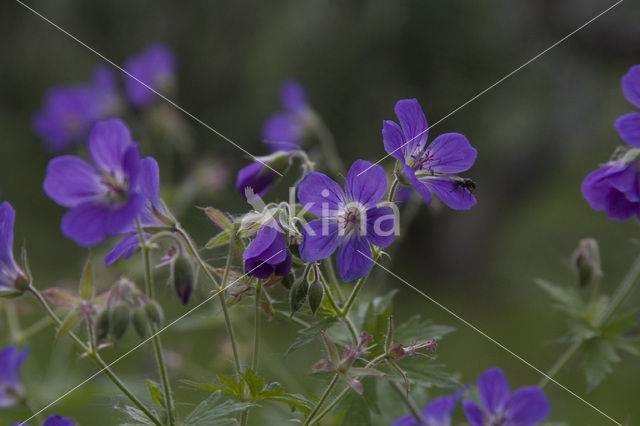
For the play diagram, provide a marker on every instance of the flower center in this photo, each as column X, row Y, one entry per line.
column 420, row 159
column 352, row 218
column 117, row 188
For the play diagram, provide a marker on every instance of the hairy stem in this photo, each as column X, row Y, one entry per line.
column 155, row 336
column 352, row 298
column 95, row 357
column 415, row 411
column 392, row 190
column 323, row 398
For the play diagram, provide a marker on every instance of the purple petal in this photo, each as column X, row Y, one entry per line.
column 123, row 217
column 293, row 97
column 255, row 176
column 150, row 180
column 282, row 132
column 124, row 249
column 407, row 420
column 414, row 124
column 108, row 143
column 71, row 181
column 321, row 195
column 366, row 183
column 320, row 239
column 626, row 179
column 419, row 186
column 270, row 245
column 473, row 412
column 354, row 257
column 451, row 153
column 450, row 192
column 438, row 412
column 393, row 140
column 283, row 268
column 618, row 207
column 380, row 226
column 58, row 421
column 155, row 67
column 631, row 85
column 628, row 126
column 494, row 391
column 258, row 268
column 85, row 223
column 595, row 187
column 528, row 406
column 7, row 221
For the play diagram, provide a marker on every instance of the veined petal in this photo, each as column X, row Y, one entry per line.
column 419, row 186
column 123, row 217
column 150, row 180
column 473, row 412
column 124, row 248
column 380, row 226
column 628, row 126
column 7, row 221
column 321, row 195
column 320, row 239
column 618, row 207
column 85, row 223
column 414, row 124
column 366, row 183
column 493, row 389
column 450, row 192
column 108, row 142
column 261, row 243
column 393, row 140
column 451, row 153
column 528, row 406
column 71, row 181
column 631, row 85
column 354, row 257
column 259, row 268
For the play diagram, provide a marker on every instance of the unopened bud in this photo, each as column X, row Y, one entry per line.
column 316, row 293
column 585, row 261
column 154, row 312
column 140, row 322
column 119, row 318
column 182, row 276
column 298, row 295
column 102, row 325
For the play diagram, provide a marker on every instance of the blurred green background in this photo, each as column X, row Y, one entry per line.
column 538, row 134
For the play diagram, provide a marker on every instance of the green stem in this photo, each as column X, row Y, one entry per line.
column 155, row 336
column 352, row 298
column 415, row 411
column 333, row 277
column 561, row 362
column 323, row 398
column 223, row 303
column 257, row 329
column 33, row 329
column 95, row 357
column 392, row 190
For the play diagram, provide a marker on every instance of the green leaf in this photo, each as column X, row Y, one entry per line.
column 426, row 373
column 219, row 240
column 156, row 393
column 358, row 408
column 416, row 329
column 86, row 282
column 253, row 382
column 567, row 299
column 308, row 335
column 295, row 401
column 136, row 415
column 600, row 354
column 212, row 412
column 236, row 387
column 219, row 218
column 209, row 387
column 68, row 323
column 630, row 345
column 374, row 317
column 620, row 324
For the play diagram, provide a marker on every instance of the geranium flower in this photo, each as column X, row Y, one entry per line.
column 349, row 221
column 11, row 390
column 527, row 406
column 13, row 280
column 614, row 188
column 69, row 111
column 267, row 254
column 283, row 130
column 258, row 176
column 53, row 420
column 104, row 199
column 430, row 169
column 436, row 413
column 155, row 67
column 629, row 124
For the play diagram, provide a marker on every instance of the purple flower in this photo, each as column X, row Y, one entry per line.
column 258, row 176
column 54, row 420
column 525, row 407
column 11, row 390
column 13, row 281
column 283, row 130
column 267, row 254
column 69, row 111
column 430, row 169
column 437, row 413
column 349, row 222
column 104, row 199
column 155, row 67
column 629, row 124
column 614, row 188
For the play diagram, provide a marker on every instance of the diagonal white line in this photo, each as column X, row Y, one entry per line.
column 145, row 85
column 496, row 83
column 482, row 333
column 141, row 344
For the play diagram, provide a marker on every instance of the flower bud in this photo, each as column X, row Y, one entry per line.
column 298, row 294
column 316, row 293
column 119, row 318
column 154, row 312
column 585, row 261
column 257, row 178
column 182, row 277
column 102, row 325
column 140, row 322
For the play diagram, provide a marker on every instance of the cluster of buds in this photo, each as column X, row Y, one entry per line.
column 127, row 306
column 308, row 288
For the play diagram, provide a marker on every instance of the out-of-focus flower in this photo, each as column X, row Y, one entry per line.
column 11, row 390
column 69, row 111
column 349, row 221
column 104, row 199
column 258, row 176
column 526, row 406
column 53, row 420
column 155, row 67
column 13, row 280
column 615, row 188
column 283, row 131
column 431, row 168
column 628, row 125
column 437, row 413
column 267, row 254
